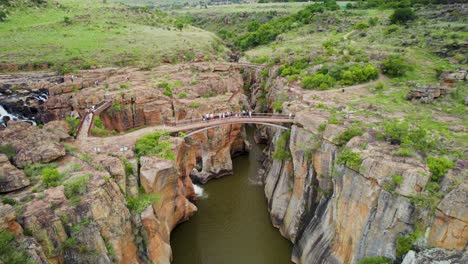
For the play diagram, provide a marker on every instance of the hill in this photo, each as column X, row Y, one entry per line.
column 84, row 34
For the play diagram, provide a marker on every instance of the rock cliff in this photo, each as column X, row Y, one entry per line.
column 339, row 214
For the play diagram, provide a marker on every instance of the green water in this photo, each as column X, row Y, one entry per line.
column 232, row 224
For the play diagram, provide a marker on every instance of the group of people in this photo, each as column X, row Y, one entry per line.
column 224, row 115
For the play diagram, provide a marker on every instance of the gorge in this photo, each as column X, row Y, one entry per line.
column 331, row 138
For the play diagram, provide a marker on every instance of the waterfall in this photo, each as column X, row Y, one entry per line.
column 199, row 191
column 5, row 116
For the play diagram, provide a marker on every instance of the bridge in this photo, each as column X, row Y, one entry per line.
column 87, row 121
column 198, row 125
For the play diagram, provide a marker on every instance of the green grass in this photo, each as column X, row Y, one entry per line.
column 102, row 34
column 245, row 8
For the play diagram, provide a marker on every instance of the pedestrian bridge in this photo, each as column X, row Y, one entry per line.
column 195, row 126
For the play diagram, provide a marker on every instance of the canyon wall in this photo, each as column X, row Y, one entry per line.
column 337, row 214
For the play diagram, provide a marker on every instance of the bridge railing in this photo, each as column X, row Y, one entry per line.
column 232, row 116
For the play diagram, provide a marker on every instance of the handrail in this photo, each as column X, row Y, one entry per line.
column 232, row 116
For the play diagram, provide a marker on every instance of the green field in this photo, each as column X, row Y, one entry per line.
column 88, row 33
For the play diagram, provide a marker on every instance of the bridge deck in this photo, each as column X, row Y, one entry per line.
column 113, row 143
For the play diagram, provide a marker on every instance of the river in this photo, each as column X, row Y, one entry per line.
column 232, row 224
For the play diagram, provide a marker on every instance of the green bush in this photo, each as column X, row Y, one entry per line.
column 395, row 66
column 128, row 167
column 359, row 74
column 8, row 150
column 375, row 260
column 403, row 152
column 9, row 201
column 141, row 202
column 405, row 243
column 36, row 168
column 195, row 104
column 350, row 159
column 282, row 148
column 402, row 15
column 380, row 86
column 51, row 177
column 11, row 252
column 316, row 80
column 322, row 127
column 76, row 187
column 182, row 95
column 438, row 167
column 155, row 144
column 361, row 26
column 395, row 131
column 167, row 92
column 348, row 134
column 74, row 123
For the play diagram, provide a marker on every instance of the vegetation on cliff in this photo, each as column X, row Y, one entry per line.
column 155, row 144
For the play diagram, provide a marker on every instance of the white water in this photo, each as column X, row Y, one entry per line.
column 199, row 191
column 4, row 113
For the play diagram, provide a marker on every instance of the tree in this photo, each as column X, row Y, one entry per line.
column 395, row 66
column 402, row 15
column 179, row 25
column 3, row 15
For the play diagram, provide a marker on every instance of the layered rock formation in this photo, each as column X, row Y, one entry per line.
column 337, row 214
column 11, row 179
column 95, row 230
column 32, row 144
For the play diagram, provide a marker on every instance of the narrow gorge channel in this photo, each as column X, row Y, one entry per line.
column 232, row 224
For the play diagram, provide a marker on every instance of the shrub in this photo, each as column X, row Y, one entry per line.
column 391, row 29
column 36, row 168
column 438, row 167
column 128, row 167
column 195, row 104
column 281, row 147
column 3, row 15
column 67, row 20
column 317, row 79
column 141, row 202
column 405, row 243
column 350, row 158
column 167, row 92
column 348, row 134
column 361, row 25
column 380, row 86
column 10, row 252
column 51, row 177
column 375, row 260
column 322, row 127
column 397, row 180
column 359, row 74
column 155, row 144
column 395, row 131
column 333, row 120
column 403, row 152
column 74, row 123
column 395, row 66
column 182, row 95
column 9, row 201
column 8, row 150
column 76, row 187
column 402, row 15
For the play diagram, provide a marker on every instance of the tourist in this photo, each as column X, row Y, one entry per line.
column 250, row 114
column 290, row 115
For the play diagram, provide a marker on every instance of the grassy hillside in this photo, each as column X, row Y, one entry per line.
column 87, row 33
column 333, row 48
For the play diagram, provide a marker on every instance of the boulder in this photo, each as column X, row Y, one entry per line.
column 11, row 178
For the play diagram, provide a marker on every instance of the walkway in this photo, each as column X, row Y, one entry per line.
column 87, row 121
column 115, row 143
